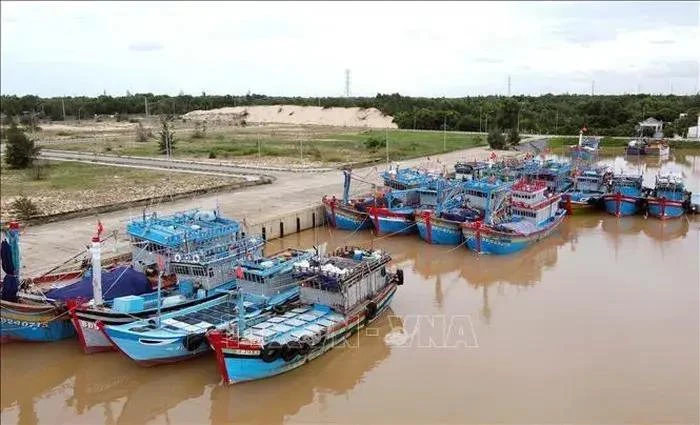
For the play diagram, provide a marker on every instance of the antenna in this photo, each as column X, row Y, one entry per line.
column 508, row 85
column 347, row 83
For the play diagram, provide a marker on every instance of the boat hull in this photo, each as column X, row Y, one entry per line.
column 390, row 223
column 438, row 231
column 34, row 322
column 485, row 240
column 665, row 208
column 345, row 218
column 621, row 205
column 93, row 339
column 237, row 365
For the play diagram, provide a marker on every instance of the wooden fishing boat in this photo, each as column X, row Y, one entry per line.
column 339, row 295
column 625, row 196
column 164, row 247
column 669, row 198
column 350, row 213
column 532, row 216
column 177, row 335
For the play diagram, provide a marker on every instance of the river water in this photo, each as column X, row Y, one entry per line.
column 597, row 324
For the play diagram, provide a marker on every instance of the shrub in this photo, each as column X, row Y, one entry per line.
column 513, row 137
column 200, row 130
column 143, row 134
column 167, row 136
column 40, row 170
column 21, row 150
column 24, row 208
column 495, row 139
column 212, row 155
column 373, row 143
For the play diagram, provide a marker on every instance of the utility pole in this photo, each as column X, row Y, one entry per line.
column 556, row 123
column 301, row 149
column 444, row 133
column 386, row 142
column 145, row 101
column 593, row 88
column 259, row 155
column 63, row 107
column 508, row 85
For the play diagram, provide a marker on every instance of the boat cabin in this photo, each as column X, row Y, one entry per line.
column 530, row 201
column 183, row 232
column 270, row 275
column 343, row 280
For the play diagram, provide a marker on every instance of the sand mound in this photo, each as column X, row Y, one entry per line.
column 300, row 115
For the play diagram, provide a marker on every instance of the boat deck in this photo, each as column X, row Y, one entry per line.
column 294, row 324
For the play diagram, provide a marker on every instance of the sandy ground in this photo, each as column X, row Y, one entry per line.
column 303, row 115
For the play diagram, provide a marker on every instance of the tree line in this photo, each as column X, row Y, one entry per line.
column 610, row 115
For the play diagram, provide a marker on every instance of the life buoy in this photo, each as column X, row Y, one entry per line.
column 290, row 350
column 371, row 310
column 193, row 341
column 399, row 277
column 278, row 309
column 250, row 256
column 195, row 258
column 177, row 257
column 271, row 352
column 305, row 348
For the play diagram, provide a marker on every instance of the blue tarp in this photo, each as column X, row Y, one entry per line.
column 9, row 284
column 119, row 282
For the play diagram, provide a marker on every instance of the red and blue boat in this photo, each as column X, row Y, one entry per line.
column 669, row 197
column 350, row 214
column 625, row 197
column 531, row 215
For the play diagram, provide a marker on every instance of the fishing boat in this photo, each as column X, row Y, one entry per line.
column 350, row 214
column 587, row 148
column 406, row 178
column 340, row 294
column 625, row 196
column 669, row 197
column 34, row 309
column 470, row 170
column 462, row 203
column 588, row 189
column 532, row 214
column 657, row 147
column 398, row 216
column 555, row 174
column 164, row 247
column 261, row 285
column 636, row 147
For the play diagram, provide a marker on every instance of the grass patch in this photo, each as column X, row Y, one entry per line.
column 319, row 144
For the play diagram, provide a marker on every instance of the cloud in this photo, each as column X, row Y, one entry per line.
column 145, row 47
column 488, row 60
column 662, row 42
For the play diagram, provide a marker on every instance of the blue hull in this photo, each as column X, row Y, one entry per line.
column 623, row 207
column 440, row 234
column 499, row 243
column 240, row 369
column 672, row 209
column 47, row 332
column 168, row 347
column 347, row 220
column 395, row 225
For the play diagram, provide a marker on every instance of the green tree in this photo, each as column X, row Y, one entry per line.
column 513, row 137
column 496, row 139
column 21, row 150
column 167, row 136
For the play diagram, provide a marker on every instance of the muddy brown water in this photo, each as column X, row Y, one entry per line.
column 598, row 324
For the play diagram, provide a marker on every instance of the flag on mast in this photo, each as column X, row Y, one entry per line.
column 99, row 228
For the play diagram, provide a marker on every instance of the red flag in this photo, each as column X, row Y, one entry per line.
column 493, row 155
column 99, row 228
column 239, row 272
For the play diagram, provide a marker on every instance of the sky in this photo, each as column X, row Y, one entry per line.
column 434, row 49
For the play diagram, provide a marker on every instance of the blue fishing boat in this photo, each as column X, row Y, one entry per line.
column 339, row 295
column 669, row 197
column 463, row 202
column 398, row 216
column 406, row 178
column 587, row 148
column 182, row 243
column 554, row 173
column 264, row 283
column 625, row 196
column 531, row 215
column 34, row 309
column 350, row 214
column 588, row 189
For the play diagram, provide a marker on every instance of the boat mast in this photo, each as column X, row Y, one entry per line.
column 96, row 271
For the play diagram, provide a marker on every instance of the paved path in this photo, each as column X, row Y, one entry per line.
column 48, row 244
